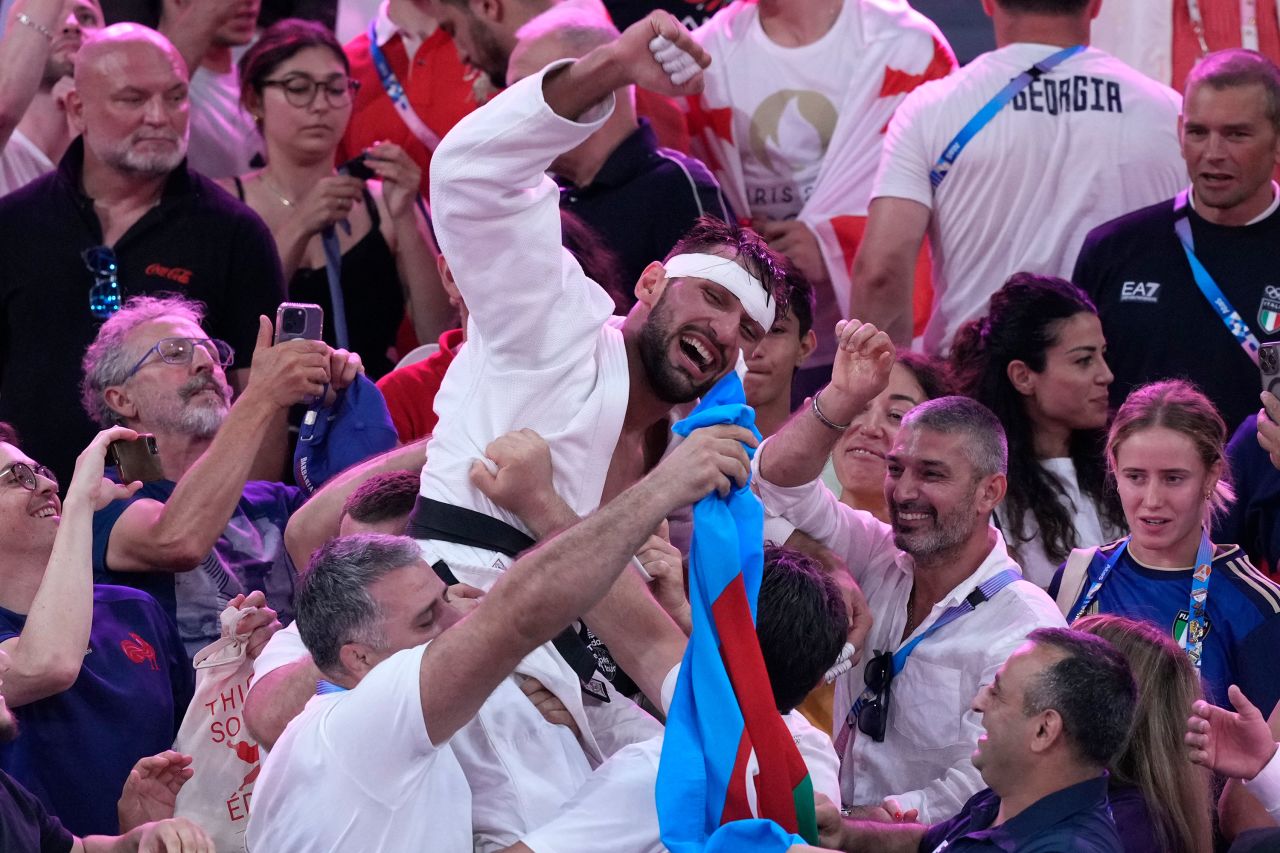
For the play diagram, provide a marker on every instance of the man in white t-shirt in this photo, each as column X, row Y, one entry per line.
column 909, row 745
column 41, row 135
column 1081, row 144
column 224, row 140
column 792, row 121
column 369, row 763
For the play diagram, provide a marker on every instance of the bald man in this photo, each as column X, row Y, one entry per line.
column 640, row 198
column 122, row 215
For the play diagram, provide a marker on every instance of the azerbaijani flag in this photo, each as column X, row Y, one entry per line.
column 723, row 710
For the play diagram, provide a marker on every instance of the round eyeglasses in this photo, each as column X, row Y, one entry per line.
column 300, row 90
column 182, row 350
column 27, row 476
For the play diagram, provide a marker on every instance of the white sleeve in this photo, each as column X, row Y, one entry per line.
column 905, row 162
column 860, row 539
column 379, row 724
column 284, row 647
column 497, row 219
column 819, row 755
column 1265, row 787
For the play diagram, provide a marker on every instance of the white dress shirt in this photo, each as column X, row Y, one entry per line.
column 924, row 761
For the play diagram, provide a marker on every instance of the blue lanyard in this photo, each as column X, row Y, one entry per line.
column 993, row 106
column 985, row 592
column 1192, row 640
column 333, row 274
column 325, row 688
column 395, row 91
column 1208, row 287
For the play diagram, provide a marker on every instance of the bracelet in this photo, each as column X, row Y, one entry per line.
column 26, row 21
column 826, row 421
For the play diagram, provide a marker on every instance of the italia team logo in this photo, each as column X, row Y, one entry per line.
column 1180, row 625
column 1269, row 310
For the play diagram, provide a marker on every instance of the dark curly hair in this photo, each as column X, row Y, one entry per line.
column 1023, row 322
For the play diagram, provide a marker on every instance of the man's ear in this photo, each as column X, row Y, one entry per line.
column 357, row 659
column 991, row 491
column 652, row 282
column 119, row 401
column 1022, row 378
column 1048, row 731
column 75, row 110
column 807, row 345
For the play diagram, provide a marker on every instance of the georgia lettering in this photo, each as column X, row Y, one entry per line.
column 1076, row 94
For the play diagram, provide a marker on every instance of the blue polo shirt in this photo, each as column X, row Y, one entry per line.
column 1074, row 820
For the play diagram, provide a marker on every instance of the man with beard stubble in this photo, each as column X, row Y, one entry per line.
column 121, row 216
column 206, row 532
column 905, row 740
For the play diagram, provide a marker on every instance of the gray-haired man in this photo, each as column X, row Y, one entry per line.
column 205, row 532
column 948, row 602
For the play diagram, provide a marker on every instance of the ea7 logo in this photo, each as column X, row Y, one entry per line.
column 1140, row 291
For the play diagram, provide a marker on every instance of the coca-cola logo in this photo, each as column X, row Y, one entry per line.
column 177, row 274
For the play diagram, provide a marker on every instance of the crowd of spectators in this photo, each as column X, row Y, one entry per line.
column 408, row 395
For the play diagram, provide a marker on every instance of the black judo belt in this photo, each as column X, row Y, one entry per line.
column 433, row 519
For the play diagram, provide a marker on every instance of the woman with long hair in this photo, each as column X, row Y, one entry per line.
column 1161, row 801
column 1166, row 451
column 1037, row 360
column 295, row 81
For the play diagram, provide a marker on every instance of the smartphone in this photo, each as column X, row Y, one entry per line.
column 299, row 320
column 137, row 459
column 1269, row 365
column 356, row 167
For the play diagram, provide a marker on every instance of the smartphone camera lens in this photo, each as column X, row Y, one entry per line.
column 295, row 321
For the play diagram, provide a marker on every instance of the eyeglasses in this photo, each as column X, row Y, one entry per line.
column 106, row 296
column 182, row 350
column 27, row 475
column 300, row 90
column 873, row 716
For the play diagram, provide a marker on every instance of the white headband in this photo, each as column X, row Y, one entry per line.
column 731, row 276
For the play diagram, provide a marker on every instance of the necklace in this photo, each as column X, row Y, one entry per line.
column 285, row 200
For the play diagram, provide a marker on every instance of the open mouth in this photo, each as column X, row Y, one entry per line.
column 698, row 352
column 863, row 453
column 46, row 511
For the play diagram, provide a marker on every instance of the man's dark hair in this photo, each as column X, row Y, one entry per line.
column 1092, row 689
column 1226, row 69
column 383, row 496
column 1044, row 7
column 8, row 434
column 801, row 622
column 334, row 606
column 803, row 302
column 709, row 234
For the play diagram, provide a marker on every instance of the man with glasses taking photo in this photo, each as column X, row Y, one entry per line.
column 205, row 532
column 121, row 216
column 948, row 602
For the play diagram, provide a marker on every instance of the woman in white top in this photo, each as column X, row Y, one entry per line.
column 1038, row 360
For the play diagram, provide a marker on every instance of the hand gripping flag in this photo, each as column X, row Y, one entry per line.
column 723, row 709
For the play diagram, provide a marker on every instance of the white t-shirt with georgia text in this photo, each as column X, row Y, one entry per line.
column 1088, row 142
